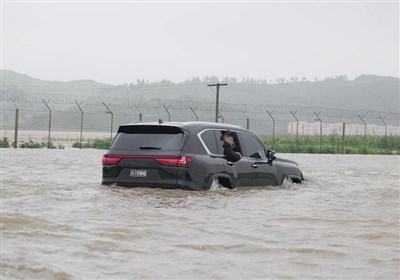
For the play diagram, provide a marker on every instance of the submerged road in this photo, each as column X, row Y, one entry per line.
column 59, row 222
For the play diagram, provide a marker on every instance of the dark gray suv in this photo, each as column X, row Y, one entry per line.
column 190, row 156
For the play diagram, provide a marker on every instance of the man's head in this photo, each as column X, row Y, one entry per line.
column 229, row 137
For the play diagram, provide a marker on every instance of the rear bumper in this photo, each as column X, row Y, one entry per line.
column 167, row 178
column 183, row 185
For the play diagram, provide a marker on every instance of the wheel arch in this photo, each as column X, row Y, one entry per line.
column 223, row 179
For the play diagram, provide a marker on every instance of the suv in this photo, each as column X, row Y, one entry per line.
column 190, row 156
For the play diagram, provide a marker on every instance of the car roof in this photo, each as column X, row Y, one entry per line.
column 191, row 125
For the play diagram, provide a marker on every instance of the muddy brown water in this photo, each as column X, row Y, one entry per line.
column 59, row 222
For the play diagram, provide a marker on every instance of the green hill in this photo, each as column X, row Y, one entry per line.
column 366, row 92
column 21, row 83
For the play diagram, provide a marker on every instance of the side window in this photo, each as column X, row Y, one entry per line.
column 220, row 142
column 209, row 140
column 252, row 146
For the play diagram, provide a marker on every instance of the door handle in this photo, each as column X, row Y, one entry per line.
column 229, row 163
column 255, row 165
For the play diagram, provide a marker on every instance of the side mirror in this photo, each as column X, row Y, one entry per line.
column 271, row 155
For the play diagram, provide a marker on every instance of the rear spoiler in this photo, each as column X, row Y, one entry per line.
column 151, row 129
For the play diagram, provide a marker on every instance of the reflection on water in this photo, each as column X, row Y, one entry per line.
column 59, row 222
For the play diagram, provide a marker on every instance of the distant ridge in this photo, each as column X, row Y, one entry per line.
column 366, row 92
column 25, row 83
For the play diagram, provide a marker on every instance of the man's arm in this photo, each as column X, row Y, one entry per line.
column 230, row 154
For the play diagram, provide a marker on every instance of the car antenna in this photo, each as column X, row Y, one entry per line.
column 160, row 121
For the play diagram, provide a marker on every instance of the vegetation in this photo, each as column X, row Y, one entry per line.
column 333, row 144
column 36, row 145
column 283, row 144
column 307, row 144
column 96, row 143
column 4, row 143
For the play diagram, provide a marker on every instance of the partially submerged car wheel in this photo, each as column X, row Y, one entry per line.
column 220, row 183
column 286, row 181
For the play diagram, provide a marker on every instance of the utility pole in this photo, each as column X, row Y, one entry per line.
column 217, row 100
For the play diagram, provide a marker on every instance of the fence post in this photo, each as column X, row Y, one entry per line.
column 15, row 143
column 297, row 129
column 247, row 120
column 365, row 128
column 343, row 135
column 221, row 116
column 193, row 110
column 112, row 118
column 140, row 112
column 320, row 130
column 273, row 128
column 48, row 140
column 80, row 135
column 383, row 120
column 166, row 109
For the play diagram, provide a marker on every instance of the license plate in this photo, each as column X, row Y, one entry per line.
column 138, row 173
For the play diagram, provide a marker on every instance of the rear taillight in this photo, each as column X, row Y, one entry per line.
column 110, row 159
column 181, row 161
column 164, row 160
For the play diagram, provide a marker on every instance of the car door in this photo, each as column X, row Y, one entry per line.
column 240, row 170
column 263, row 172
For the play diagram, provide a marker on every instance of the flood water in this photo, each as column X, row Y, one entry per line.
column 59, row 222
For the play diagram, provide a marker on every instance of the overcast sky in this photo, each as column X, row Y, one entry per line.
column 121, row 42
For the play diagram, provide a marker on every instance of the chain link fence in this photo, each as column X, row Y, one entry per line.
column 70, row 118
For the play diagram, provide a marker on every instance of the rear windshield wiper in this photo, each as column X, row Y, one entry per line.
column 149, row 148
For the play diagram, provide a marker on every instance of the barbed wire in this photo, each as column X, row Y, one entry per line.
column 95, row 103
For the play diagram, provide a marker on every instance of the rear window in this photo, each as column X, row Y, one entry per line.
column 141, row 138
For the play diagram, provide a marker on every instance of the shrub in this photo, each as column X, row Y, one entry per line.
column 32, row 145
column 4, row 143
column 327, row 149
column 96, row 143
column 36, row 145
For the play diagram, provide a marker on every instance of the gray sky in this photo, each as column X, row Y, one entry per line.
column 121, row 42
